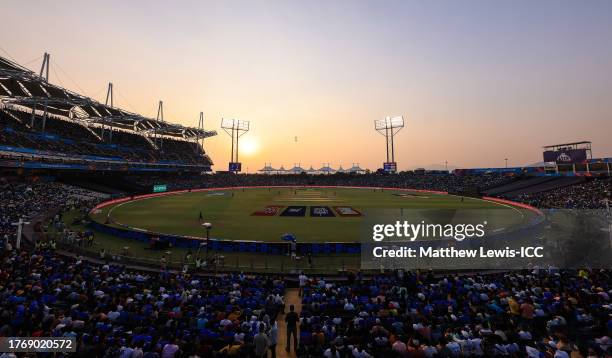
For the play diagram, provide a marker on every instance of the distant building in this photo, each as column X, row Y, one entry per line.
column 356, row 169
column 326, row 169
column 297, row 169
column 267, row 169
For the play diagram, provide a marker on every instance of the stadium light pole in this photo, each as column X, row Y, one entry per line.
column 19, row 225
column 207, row 227
column 388, row 128
column 235, row 128
column 506, row 159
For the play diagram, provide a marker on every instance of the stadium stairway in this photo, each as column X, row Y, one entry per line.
column 291, row 298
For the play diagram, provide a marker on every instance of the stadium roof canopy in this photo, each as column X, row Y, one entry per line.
column 28, row 91
column 574, row 145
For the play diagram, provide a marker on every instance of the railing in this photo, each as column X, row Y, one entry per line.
column 220, row 263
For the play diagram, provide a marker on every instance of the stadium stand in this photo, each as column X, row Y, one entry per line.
column 558, row 183
column 421, row 315
column 441, row 182
column 71, row 138
column 518, row 185
column 38, row 116
column 589, row 194
column 116, row 311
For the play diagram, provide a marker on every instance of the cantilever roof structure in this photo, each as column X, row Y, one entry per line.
column 22, row 87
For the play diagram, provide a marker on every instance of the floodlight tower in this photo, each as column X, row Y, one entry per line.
column 235, row 128
column 389, row 127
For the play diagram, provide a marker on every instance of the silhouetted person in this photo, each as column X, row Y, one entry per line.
column 261, row 342
column 291, row 319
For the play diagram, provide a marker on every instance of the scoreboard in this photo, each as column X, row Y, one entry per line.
column 235, row 167
column 566, row 156
column 390, row 167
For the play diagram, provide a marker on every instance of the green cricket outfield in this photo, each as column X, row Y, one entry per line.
column 312, row 214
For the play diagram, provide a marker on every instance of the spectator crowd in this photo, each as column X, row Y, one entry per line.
column 60, row 138
column 591, row 194
column 517, row 314
column 117, row 311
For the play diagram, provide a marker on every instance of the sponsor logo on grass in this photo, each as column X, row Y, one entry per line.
column 270, row 210
column 315, row 211
column 346, row 211
column 321, row 211
column 294, row 211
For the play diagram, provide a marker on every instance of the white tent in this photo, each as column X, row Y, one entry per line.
column 356, row 169
column 326, row 170
column 297, row 169
column 267, row 169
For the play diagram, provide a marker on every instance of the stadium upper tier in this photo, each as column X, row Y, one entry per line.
column 43, row 118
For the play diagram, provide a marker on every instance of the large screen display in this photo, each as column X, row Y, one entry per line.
column 390, row 167
column 568, row 156
column 235, row 167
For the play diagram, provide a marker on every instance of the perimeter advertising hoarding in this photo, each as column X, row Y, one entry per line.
column 569, row 156
column 160, row 188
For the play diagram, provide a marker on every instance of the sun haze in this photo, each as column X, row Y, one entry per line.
column 477, row 81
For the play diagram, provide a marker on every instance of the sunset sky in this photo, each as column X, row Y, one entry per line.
column 476, row 81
